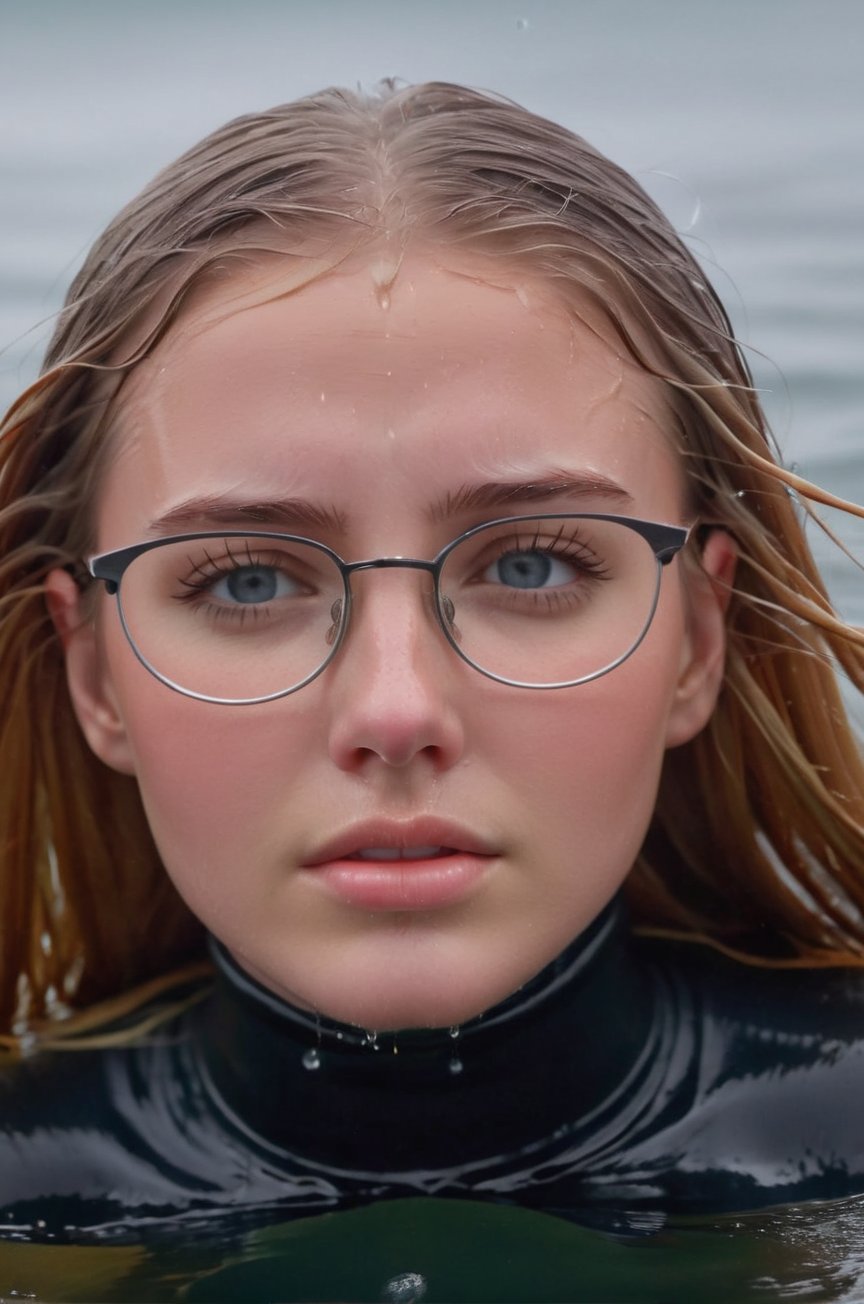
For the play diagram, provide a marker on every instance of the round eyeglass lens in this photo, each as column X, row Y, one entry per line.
column 233, row 619
column 549, row 601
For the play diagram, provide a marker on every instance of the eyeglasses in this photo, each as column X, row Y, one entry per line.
column 241, row 617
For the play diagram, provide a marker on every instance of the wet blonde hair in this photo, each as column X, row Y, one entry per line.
column 756, row 843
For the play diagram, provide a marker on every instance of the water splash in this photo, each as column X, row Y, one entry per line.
column 407, row 1288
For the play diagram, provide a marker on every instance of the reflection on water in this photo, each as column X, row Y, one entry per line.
column 437, row 1251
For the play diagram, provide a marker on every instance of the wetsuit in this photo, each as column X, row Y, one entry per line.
column 628, row 1080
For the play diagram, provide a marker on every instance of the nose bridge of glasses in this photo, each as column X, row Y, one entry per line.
column 396, row 563
column 390, row 563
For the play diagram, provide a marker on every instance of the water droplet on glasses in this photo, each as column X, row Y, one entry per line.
column 522, row 24
column 456, row 1066
column 454, row 1031
column 311, row 1060
column 371, row 1039
column 407, row 1288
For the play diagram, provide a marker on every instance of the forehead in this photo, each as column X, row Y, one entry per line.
column 361, row 381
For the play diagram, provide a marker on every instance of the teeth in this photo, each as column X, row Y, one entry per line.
column 398, row 853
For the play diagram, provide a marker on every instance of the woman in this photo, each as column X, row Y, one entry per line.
column 397, row 578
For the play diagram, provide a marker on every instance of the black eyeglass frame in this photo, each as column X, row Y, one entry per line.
column 665, row 541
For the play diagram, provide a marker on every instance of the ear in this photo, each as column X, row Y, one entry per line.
column 707, row 586
column 87, row 675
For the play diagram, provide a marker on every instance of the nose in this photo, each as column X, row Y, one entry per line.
column 394, row 683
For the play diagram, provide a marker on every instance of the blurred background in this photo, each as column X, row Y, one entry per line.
column 743, row 118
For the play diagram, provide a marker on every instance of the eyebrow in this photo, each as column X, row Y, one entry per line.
column 506, row 493
column 230, row 512
column 299, row 513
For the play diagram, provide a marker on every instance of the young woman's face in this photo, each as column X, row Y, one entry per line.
column 507, row 817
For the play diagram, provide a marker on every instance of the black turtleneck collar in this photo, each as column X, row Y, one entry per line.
column 567, row 1046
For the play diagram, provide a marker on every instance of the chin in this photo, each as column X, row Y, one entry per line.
column 412, row 1004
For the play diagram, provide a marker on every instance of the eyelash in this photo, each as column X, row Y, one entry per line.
column 562, row 547
column 207, row 573
column 567, row 547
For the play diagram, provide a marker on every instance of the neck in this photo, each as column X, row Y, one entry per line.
column 566, row 1042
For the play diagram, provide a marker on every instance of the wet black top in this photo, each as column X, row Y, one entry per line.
column 628, row 1077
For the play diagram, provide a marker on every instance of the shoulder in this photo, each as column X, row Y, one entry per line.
column 52, row 1116
column 88, row 1135
column 803, row 1015
column 778, row 1077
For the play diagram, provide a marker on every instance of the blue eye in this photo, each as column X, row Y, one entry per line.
column 253, row 584
column 529, row 569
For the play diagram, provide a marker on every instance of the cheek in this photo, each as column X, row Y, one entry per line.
column 216, row 783
column 586, row 762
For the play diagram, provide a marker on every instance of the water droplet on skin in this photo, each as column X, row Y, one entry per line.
column 407, row 1288
column 311, row 1060
column 323, row 397
column 456, row 1066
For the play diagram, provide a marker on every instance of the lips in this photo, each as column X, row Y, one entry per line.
column 415, row 839
column 421, row 864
